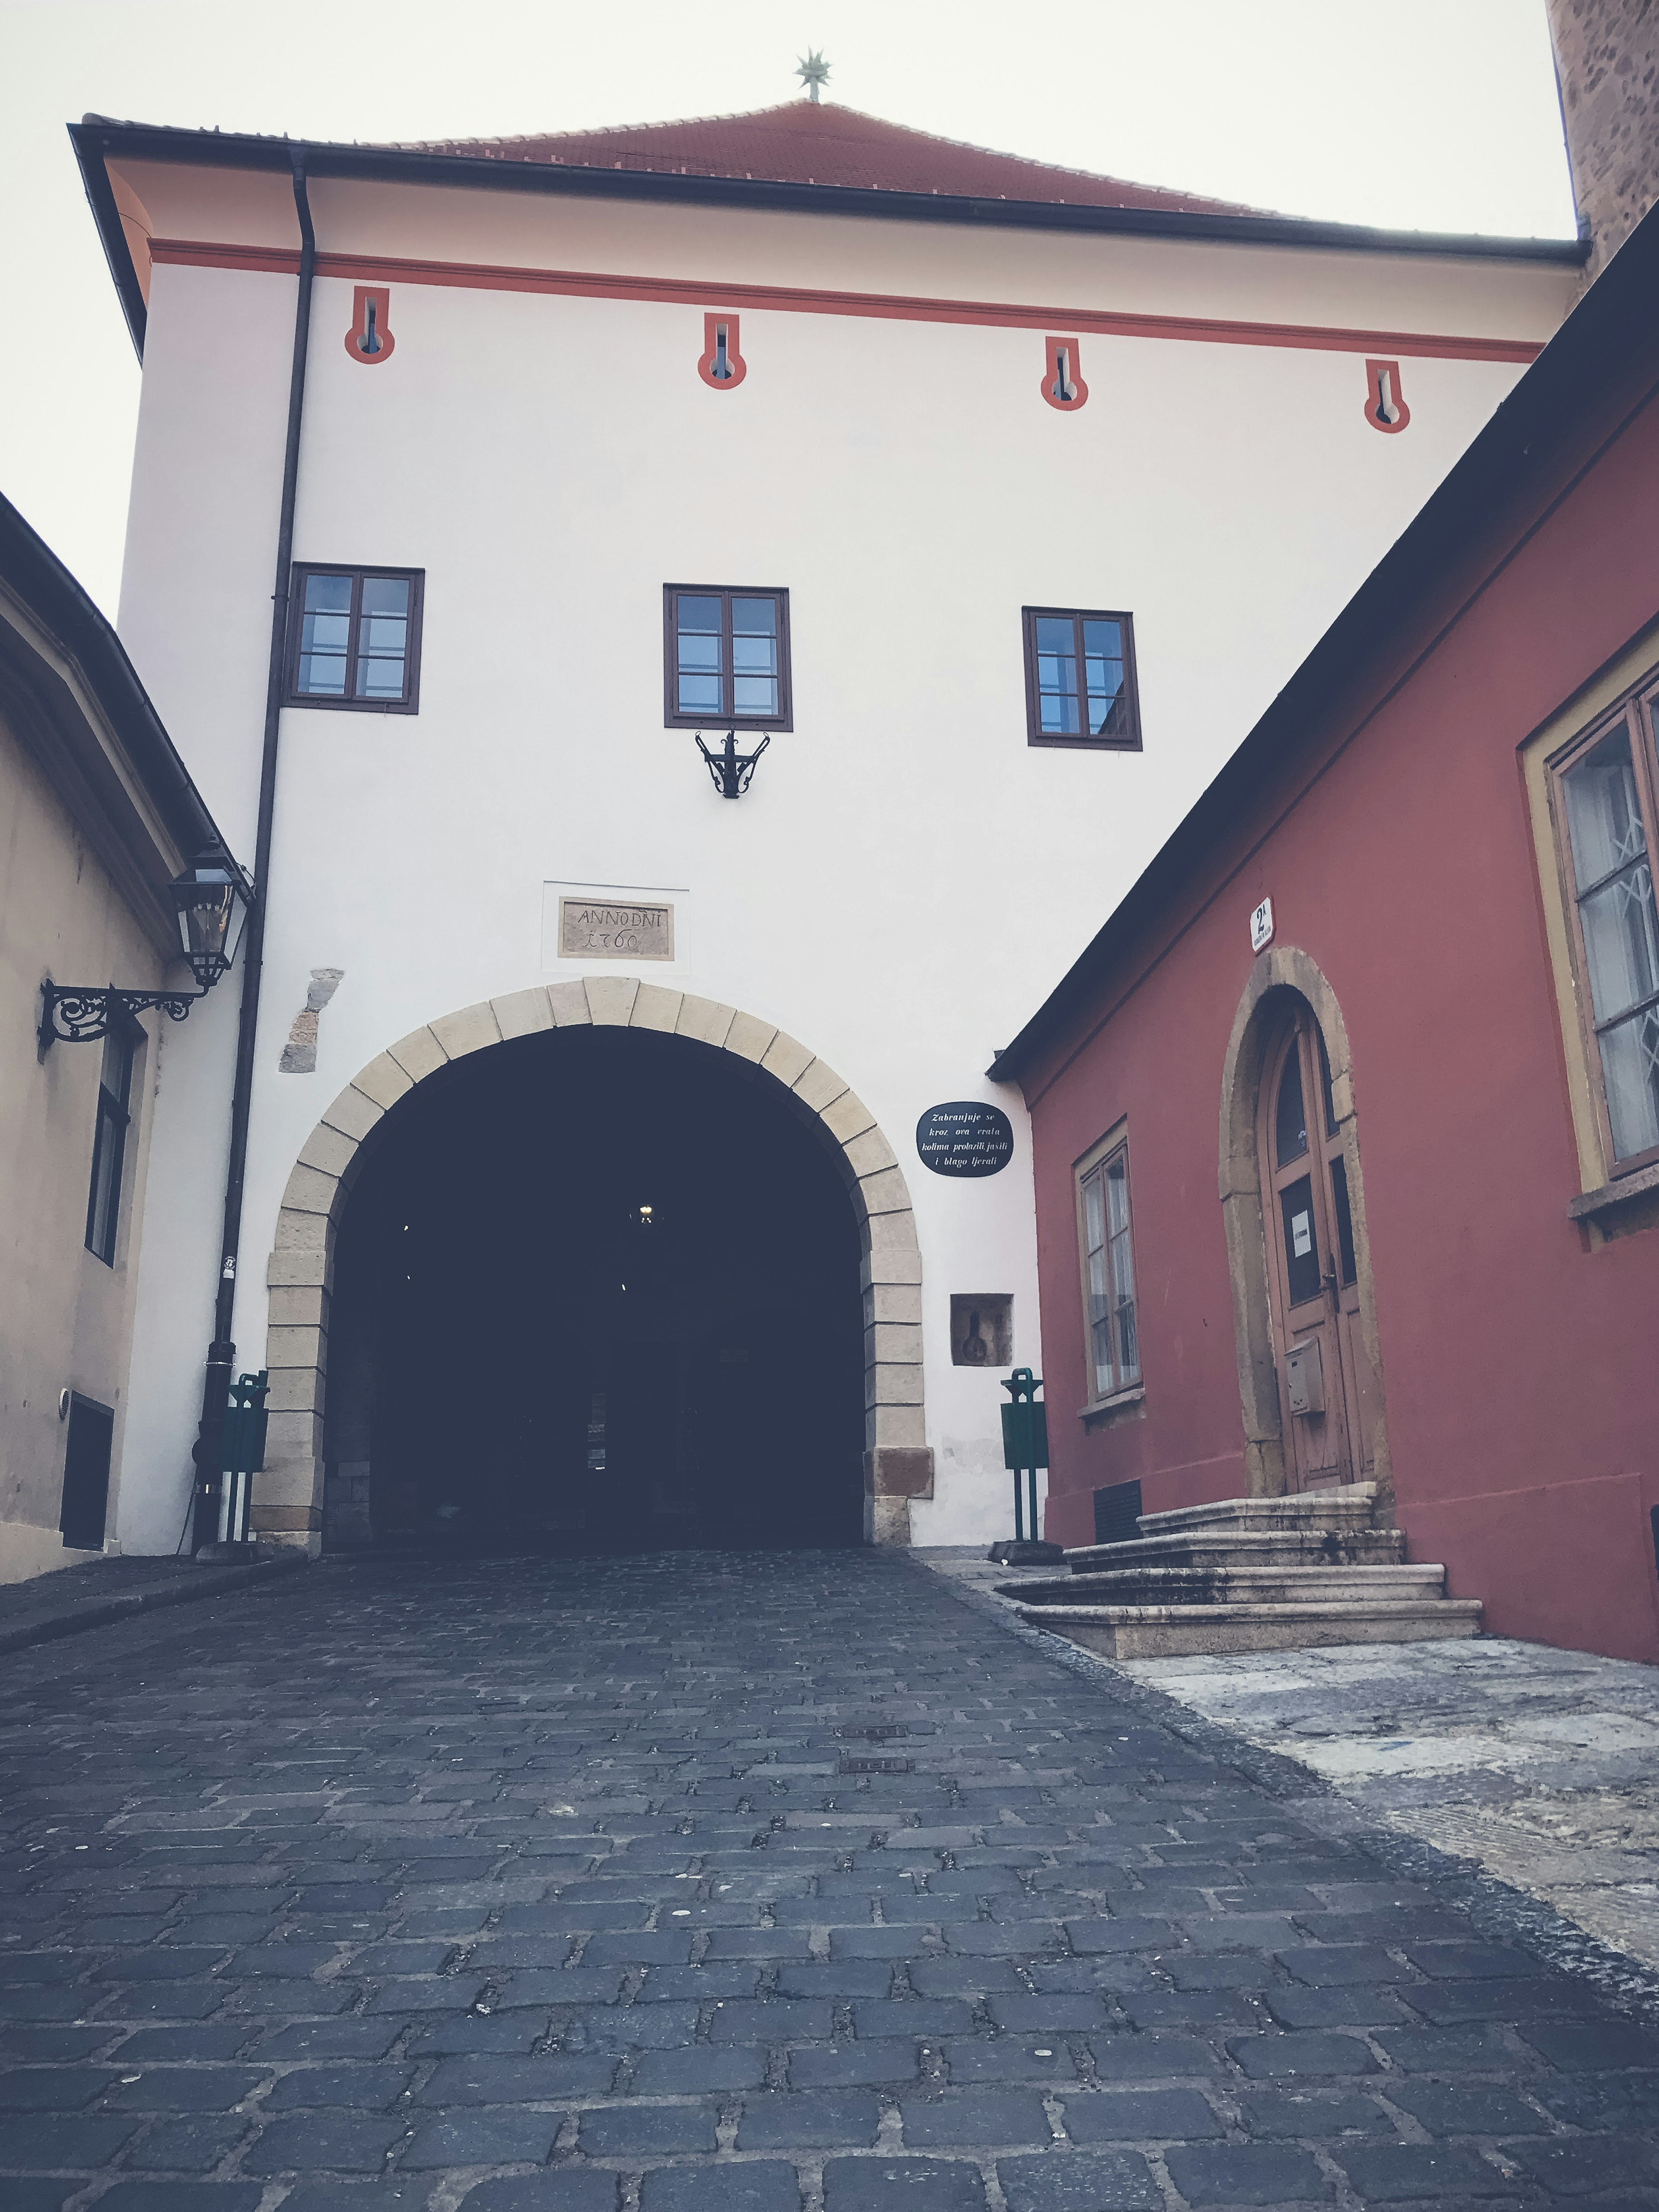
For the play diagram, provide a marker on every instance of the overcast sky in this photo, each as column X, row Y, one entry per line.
column 1436, row 114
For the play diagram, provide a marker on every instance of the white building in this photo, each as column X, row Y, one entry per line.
column 585, row 418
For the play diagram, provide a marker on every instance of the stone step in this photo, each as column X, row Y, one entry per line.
column 1227, row 1585
column 1170, row 1631
column 1216, row 1549
column 1346, row 1506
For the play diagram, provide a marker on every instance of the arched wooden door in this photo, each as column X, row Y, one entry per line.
column 1327, row 1393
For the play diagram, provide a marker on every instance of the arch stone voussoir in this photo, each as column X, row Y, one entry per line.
column 898, row 1464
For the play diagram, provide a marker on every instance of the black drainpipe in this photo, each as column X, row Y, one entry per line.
column 221, row 1353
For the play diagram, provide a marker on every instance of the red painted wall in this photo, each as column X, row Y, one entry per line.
column 1521, row 1366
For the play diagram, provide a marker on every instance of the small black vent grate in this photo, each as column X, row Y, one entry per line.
column 1118, row 1511
column 872, row 1735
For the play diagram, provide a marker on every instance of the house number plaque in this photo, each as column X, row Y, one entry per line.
column 965, row 1138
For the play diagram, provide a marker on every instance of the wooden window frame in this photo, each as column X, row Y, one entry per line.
column 293, row 696
column 1638, row 708
column 1130, row 741
column 671, row 717
column 1099, row 1156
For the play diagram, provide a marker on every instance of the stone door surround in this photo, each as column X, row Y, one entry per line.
column 898, row 1466
column 1283, row 970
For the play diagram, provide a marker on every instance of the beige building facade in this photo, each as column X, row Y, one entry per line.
column 97, row 816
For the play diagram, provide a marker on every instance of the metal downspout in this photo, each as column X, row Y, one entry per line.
column 221, row 1353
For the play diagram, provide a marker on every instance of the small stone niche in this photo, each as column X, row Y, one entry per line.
column 982, row 1328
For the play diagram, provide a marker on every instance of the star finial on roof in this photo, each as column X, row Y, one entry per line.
column 813, row 71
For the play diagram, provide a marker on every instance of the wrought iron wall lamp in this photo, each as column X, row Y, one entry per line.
column 210, row 901
column 731, row 770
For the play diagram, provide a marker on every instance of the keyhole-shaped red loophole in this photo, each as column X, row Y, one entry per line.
column 1385, row 410
column 369, row 340
column 1062, row 381
column 722, row 366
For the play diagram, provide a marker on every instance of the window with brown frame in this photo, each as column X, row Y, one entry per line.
column 1605, row 793
column 355, row 639
column 1106, row 1250
column 726, row 658
column 1080, row 679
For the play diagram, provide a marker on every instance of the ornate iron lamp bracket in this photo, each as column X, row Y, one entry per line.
column 74, row 1016
column 731, row 770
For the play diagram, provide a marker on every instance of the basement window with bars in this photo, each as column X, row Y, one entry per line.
column 726, row 658
column 1104, row 1238
column 1080, row 679
column 355, row 639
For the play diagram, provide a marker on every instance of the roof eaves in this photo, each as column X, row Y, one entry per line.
column 1616, row 316
column 64, row 607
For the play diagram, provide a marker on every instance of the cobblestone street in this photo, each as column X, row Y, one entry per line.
column 721, row 1883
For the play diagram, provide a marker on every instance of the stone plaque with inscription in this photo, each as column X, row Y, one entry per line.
column 595, row 929
column 965, row 1138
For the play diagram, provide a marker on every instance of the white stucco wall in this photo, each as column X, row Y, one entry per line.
column 906, row 877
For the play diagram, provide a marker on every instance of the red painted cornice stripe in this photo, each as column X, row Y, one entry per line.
column 879, row 306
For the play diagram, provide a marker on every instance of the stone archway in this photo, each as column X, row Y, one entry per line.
column 1282, row 969
column 899, row 1465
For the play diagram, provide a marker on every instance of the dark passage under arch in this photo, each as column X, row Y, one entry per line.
column 596, row 1289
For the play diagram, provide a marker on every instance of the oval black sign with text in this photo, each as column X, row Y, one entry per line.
column 965, row 1138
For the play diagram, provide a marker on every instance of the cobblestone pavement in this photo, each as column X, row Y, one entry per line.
column 710, row 1883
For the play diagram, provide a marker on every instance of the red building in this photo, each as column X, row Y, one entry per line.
column 1431, row 1093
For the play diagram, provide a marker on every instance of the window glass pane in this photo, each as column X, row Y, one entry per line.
column 385, row 595
column 328, row 594
column 755, row 618
column 117, row 1073
column 696, row 613
column 1094, row 1211
column 1302, row 1264
column 380, row 678
column 1058, row 709
column 701, row 651
column 1104, row 638
column 754, row 695
column 1325, row 1084
column 104, row 1202
column 1056, row 633
column 1630, row 1066
column 1622, row 941
column 1603, row 811
column 1290, row 1116
column 700, row 694
column 754, row 656
column 1344, row 1220
column 382, row 634
column 323, row 673
column 1118, row 1195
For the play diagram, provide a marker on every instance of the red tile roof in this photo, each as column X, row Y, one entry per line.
column 801, row 141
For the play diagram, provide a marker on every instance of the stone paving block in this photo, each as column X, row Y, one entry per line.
column 1481, row 1962
column 844, row 2119
column 890, row 2185
column 773, row 2020
column 1601, row 2100
column 1331, row 1965
column 1355, row 2007
column 490, row 2135
column 1591, row 2164
column 1134, row 2058
column 366, row 2088
column 1079, row 2181
column 325, row 2143
column 756, row 2185
column 875, row 2017
column 1247, row 2173
column 45, row 2142
column 304, row 2038
column 632, row 2133
column 564, row 2190
column 1274, row 2112
column 1099, row 2115
column 137, row 2196
column 52, row 2088
column 1395, row 2173
column 1482, row 2048
column 195, row 2145
column 1132, row 1932
column 1060, row 2015
column 698, row 2071
column 1276, row 2057
column 1010, row 2058
column 836, row 2065
column 960, row 2119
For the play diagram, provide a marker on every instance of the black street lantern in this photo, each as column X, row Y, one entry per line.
column 731, row 770
column 210, row 900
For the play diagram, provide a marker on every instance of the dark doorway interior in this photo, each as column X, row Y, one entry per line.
column 596, row 1289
